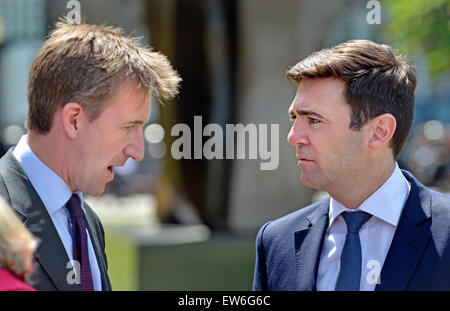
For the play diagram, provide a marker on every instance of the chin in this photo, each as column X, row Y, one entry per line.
column 311, row 181
column 308, row 184
column 95, row 191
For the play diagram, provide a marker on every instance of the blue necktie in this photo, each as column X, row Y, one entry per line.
column 350, row 272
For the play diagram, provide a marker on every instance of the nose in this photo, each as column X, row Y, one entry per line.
column 297, row 134
column 135, row 149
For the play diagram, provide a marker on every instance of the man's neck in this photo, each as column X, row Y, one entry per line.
column 50, row 153
column 369, row 182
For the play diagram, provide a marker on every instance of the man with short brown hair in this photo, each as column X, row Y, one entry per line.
column 89, row 97
column 380, row 229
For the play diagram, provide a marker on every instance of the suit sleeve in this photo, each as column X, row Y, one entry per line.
column 260, row 275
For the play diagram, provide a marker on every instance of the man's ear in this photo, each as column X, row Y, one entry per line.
column 383, row 128
column 71, row 118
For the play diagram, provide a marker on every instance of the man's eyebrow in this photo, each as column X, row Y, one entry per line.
column 307, row 113
column 134, row 122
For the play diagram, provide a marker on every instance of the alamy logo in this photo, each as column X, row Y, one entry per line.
column 373, row 276
column 374, row 15
column 74, row 15
column 72, row 276
column 235, row 142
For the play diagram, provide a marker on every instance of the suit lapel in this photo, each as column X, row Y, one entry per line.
column 97, row 247
column 50, row 254
column 308, row 246
column 410, row 239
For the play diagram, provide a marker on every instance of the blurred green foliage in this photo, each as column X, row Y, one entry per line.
column 421, row 26
column 123, row 262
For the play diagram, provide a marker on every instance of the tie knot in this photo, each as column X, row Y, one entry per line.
column 74, row 206
column 355, row 220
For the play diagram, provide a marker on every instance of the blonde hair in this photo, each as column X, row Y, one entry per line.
column 86, row 64
column 14, row 237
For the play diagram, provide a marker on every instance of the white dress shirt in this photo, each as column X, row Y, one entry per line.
column 54, row 193
column 386, row 205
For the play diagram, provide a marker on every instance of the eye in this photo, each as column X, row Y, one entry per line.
column 313, row 120
column 292, row 117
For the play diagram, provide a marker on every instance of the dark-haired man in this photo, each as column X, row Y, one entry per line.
column 380, row 229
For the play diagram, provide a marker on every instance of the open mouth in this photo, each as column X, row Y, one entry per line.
column 111, row 170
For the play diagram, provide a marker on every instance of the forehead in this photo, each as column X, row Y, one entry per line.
column 129, row 102
column 324, row 96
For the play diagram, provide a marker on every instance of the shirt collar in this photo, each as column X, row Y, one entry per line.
column 386, row 203
column 52, row 190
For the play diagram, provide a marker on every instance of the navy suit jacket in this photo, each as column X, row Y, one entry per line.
column 288, row 249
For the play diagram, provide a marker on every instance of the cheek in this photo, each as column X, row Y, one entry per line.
column 338, row 148
column 109, row 146
column 352, row 152
column 115, row 149
column 327, row 145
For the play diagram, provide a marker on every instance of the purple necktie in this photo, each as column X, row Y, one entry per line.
column 80, row 242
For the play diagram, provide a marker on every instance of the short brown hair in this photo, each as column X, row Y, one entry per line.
column 377, row 81
column 84, row 64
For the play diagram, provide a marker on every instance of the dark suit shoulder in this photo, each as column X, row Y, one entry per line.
column 440, row 220
column 279, row 231
column 440, row 203
column 298, row 218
